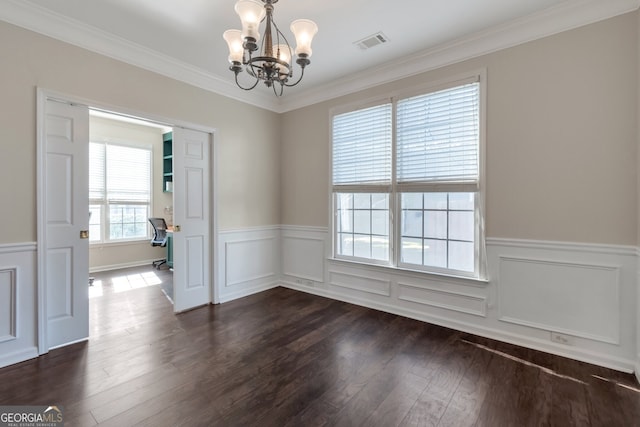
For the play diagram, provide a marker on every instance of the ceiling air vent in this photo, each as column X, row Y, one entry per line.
column 371, row 41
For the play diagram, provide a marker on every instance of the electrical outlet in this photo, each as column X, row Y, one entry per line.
column 561, row 338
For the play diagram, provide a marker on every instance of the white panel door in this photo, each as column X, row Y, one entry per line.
column 66, row 217
column 191, row 266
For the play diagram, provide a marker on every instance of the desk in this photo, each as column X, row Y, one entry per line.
column 170, row 247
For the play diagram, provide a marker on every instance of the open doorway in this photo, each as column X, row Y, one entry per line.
column 126, row 188
column 63, row 220
column 130, row 190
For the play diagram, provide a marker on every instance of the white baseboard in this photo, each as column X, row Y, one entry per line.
column 612, row 362
column 248, row 261
column 18, row 303
column 99, row 268
column 246, row 291
column 18, row 356
column 576, row 300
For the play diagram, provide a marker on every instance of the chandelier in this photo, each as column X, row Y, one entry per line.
column 271, row 61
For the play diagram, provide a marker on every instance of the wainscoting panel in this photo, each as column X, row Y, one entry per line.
column 302, row 257
column 18, row 314
column 571, row 299
column 360, row 282
column 456, row 301
column 249, row 261
column 8, row 304
column 544, row 294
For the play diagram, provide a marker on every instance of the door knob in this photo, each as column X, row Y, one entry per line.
column 176, row 228
column 84, row 234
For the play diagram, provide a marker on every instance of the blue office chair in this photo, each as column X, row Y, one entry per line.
column 159, row 237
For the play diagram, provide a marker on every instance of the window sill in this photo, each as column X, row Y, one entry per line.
column 121, row 243
column 475, row 281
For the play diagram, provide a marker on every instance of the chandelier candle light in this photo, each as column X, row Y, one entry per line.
column 273, row 63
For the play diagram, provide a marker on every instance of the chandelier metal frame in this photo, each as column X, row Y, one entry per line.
column 273, row 63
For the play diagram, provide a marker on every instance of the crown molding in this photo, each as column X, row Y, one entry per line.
column 566, row 16
column 553, row 20
column 35, row 18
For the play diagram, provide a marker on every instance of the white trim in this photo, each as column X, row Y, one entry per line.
column 69, row 343
column 553, row 20
column 584, row 355
column 60, row 27
column 41, row 290
column 386, row 292
column 42, row 96
column 18, row 356
column 615, row 339
column 244, row 292
column 99, row 268
column 481, row 314
column 254, row 267
column 302, row 228
column 482, row 300
column 565, row 246
column 249, row 229
column 13, row 305
column 213, row 217
column 8, row 248
column 473, row 281
column 319, row 279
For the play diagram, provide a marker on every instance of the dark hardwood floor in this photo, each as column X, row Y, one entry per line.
column 285, row 358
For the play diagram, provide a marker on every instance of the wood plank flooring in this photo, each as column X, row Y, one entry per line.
column 285, row 358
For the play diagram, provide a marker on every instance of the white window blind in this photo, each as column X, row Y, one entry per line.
column 128, row 172
column 362, row 146
column 438, row 137
column 119, row 173
column 96, row 171
column 119, row 191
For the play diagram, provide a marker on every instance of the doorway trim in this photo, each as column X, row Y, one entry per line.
column 42, row 94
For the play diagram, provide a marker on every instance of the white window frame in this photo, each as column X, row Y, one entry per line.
column 105, row 222
column 394, row 190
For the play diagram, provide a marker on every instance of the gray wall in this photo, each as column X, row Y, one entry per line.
column 561, row 138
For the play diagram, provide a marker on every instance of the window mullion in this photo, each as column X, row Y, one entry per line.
column 394, row 200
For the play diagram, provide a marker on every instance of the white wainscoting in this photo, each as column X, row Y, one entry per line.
column 302, row 247
column 249, row 261
column 542, row 294
column 18, row 316
column 574, row 300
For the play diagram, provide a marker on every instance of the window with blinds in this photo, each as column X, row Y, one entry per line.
column 362, row 147
column 437, row 137
column 119, row 192
column 407, row 173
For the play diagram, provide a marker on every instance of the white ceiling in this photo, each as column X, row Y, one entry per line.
column 183, row 39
